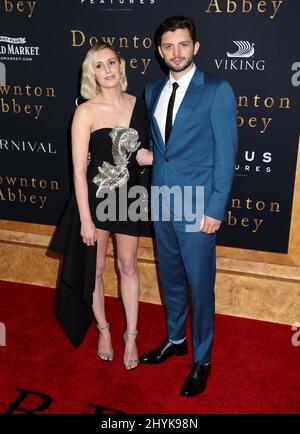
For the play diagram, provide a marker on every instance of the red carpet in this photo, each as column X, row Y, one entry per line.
column 255, row 367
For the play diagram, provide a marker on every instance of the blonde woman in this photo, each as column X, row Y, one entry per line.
column 112, row 127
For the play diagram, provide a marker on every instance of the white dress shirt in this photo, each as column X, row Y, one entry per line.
column 162, row 105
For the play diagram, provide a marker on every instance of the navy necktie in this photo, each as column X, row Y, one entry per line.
column 169, row 120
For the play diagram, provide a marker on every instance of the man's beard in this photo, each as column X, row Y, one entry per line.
column 180, row 68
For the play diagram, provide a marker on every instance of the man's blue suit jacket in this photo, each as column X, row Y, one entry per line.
column 201, row 150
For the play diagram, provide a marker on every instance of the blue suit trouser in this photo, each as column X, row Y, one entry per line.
column 188, row 260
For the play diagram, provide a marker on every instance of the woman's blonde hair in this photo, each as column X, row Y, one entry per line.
column 89, row 86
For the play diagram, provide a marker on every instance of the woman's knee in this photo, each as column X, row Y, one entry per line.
column 127, row 267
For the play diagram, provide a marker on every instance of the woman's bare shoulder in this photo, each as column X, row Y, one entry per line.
column 87, row 110
column 85, row 107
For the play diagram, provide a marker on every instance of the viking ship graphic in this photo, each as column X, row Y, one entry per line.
column 245, row 49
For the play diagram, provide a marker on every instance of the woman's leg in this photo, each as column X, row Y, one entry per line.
column 127, row 264
column 105, row 350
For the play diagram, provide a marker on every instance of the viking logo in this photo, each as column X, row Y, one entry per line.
column 244, row 49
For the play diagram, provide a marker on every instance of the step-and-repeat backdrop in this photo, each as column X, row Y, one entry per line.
column 253, row 44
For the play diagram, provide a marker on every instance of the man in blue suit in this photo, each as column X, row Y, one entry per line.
column 194, row 142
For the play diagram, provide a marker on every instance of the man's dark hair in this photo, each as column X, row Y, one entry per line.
column 171, row 24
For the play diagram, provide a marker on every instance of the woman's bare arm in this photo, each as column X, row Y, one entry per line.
column 80, row 145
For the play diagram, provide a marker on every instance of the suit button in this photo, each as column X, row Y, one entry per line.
column 167, row 159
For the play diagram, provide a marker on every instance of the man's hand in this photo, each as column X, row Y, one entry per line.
column 209, row 225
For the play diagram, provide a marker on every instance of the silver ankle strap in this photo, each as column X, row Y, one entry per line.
column 131, row 333
column 103, row 328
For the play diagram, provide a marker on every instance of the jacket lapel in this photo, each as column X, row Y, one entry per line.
column 154, row 101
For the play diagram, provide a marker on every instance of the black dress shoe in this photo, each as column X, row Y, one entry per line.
column 195, row 382
column 166, row 350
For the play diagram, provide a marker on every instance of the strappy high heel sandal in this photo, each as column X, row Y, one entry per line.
column 128, row 363
column 105, row 356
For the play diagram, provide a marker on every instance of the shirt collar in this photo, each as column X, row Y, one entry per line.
column 184, row 81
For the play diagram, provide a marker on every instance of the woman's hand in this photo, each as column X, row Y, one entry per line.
column 88, row 233
column 144, row 157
